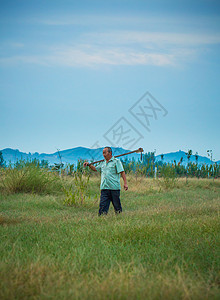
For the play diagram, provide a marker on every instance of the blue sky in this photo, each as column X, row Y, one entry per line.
column 71, row 71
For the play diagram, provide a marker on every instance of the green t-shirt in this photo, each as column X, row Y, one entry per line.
column 110, row 174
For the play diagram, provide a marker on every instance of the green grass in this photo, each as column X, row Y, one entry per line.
column 165, row 245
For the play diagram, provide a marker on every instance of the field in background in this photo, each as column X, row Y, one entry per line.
column 165, row 245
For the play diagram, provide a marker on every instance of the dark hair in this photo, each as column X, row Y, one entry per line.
column 109, row 149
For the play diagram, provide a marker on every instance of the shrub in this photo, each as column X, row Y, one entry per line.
column 29, row 177
column 168, row 176
column 78, row 194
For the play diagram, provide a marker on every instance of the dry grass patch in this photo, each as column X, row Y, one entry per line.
column 4, row 220
column 37, row 281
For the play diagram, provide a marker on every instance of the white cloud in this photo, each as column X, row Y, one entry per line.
column 153, row 38
column 119, row 48
column 132, row 20
column 23, row 59
column 108, row 56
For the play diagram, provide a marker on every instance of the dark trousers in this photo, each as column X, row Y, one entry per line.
column 108, row 196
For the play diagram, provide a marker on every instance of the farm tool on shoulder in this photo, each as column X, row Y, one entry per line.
column 139, row 150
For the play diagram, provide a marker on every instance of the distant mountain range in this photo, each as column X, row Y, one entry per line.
column 71, row 156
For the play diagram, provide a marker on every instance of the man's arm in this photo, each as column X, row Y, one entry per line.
column 90, row 166
column 125, row 180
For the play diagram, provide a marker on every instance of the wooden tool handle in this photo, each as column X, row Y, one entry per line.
column 139, row 150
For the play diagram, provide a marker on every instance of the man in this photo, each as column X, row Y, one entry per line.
column 111, row 169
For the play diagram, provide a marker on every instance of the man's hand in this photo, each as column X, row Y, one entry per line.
column 125, row 187
column 125, row 180
column 86, row 163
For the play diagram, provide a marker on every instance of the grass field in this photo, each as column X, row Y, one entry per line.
column 165, row 244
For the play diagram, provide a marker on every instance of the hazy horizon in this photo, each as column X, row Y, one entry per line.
column 114, row 153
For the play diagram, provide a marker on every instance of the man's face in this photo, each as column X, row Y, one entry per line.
column 107, row 155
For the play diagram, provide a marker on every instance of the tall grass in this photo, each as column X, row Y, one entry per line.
column 29, row 177
column 77, row 194
column 168, row 177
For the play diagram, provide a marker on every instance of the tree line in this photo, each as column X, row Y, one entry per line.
column 147, row 167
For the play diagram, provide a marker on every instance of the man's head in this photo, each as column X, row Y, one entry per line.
column 107, row 153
